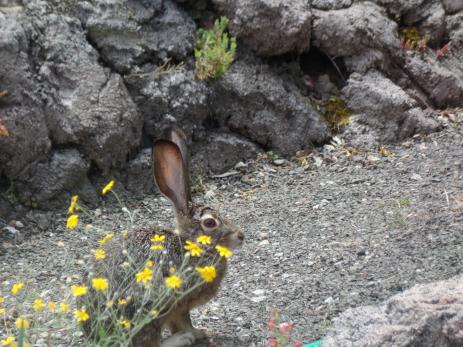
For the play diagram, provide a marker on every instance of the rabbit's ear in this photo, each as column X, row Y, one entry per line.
column 178, row 137
column 170, row 174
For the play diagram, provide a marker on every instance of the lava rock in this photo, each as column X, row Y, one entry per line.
column 21, row 108
column 330, row 4
column 255, row 102
column 269, row 27
column 400, row 7
column 51, row 183
column 220, row 151
column 137, row 177
column 383, row 112
column 452, row 6
column 429, row 19
column 177, row 97
column 87, row 105
column 442, row 80
column 129, row 33
column 425, row 315
column 362, row 27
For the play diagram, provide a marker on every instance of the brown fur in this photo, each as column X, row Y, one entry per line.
column 170, row 165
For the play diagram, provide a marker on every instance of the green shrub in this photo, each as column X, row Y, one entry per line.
column 214, row 51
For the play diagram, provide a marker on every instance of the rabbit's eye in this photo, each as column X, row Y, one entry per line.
column 209, row 223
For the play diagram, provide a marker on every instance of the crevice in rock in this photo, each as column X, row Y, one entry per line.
column 101, row 61
column 211, row 123
column 316, row 62
column 421, row 96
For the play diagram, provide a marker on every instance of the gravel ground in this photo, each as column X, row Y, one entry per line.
column 352, row 228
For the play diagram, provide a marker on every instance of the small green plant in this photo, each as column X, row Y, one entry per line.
column 411, row 39
column 214, row 51
column 336, row 113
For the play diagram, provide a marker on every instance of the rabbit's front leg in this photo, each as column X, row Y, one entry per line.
column 180, row 320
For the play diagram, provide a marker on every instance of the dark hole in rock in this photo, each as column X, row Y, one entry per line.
column 146, row 140
column 315, row 63
column 211, row 123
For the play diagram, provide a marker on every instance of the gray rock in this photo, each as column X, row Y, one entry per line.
column 425, row 315
column 51, row 183
column 21, row 109
column 220, row 151
column 128, row 33
column 269, row 27
column 454, row 28
column 137, row 177
column 350, row 31
column 452, row 6
column 259, row 104
column 429, row 19
column 383, row 112
column 330, row 4
column 164, row 99
column 441, row 80
column 399, row 7
column 87, row 106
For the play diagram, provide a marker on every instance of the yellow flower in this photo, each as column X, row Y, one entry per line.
column 125, row 323
column 108, row 187
column 81, row 315
column 121, row 301
column 145, row 276
column 2, row 310
column 100, row 254
column 158, row 238
column 204, row 239
column 78, row 290
column 9, row 341
column 2, row 300
column 149, row 263
column 224, row 251
column 125, row 233
column 38, row 305
column 51, row 306
column 194, row 249
column 64, row 307
column 17, row 288
column 22, row 323
column 173, row 282
column 106, row 239
column 72, row 222
column 100, row 284
column 208, row 273
column 154, row 312
column 74, row 207
column 157, row 247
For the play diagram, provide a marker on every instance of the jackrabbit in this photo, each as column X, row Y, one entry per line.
column 170, row 167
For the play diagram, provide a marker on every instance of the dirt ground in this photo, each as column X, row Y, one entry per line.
column 352, row 228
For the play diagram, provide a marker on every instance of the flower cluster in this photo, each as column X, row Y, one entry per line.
column 104, row 298
column 281, row 331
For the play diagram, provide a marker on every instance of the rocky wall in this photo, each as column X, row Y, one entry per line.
column 85, row 87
